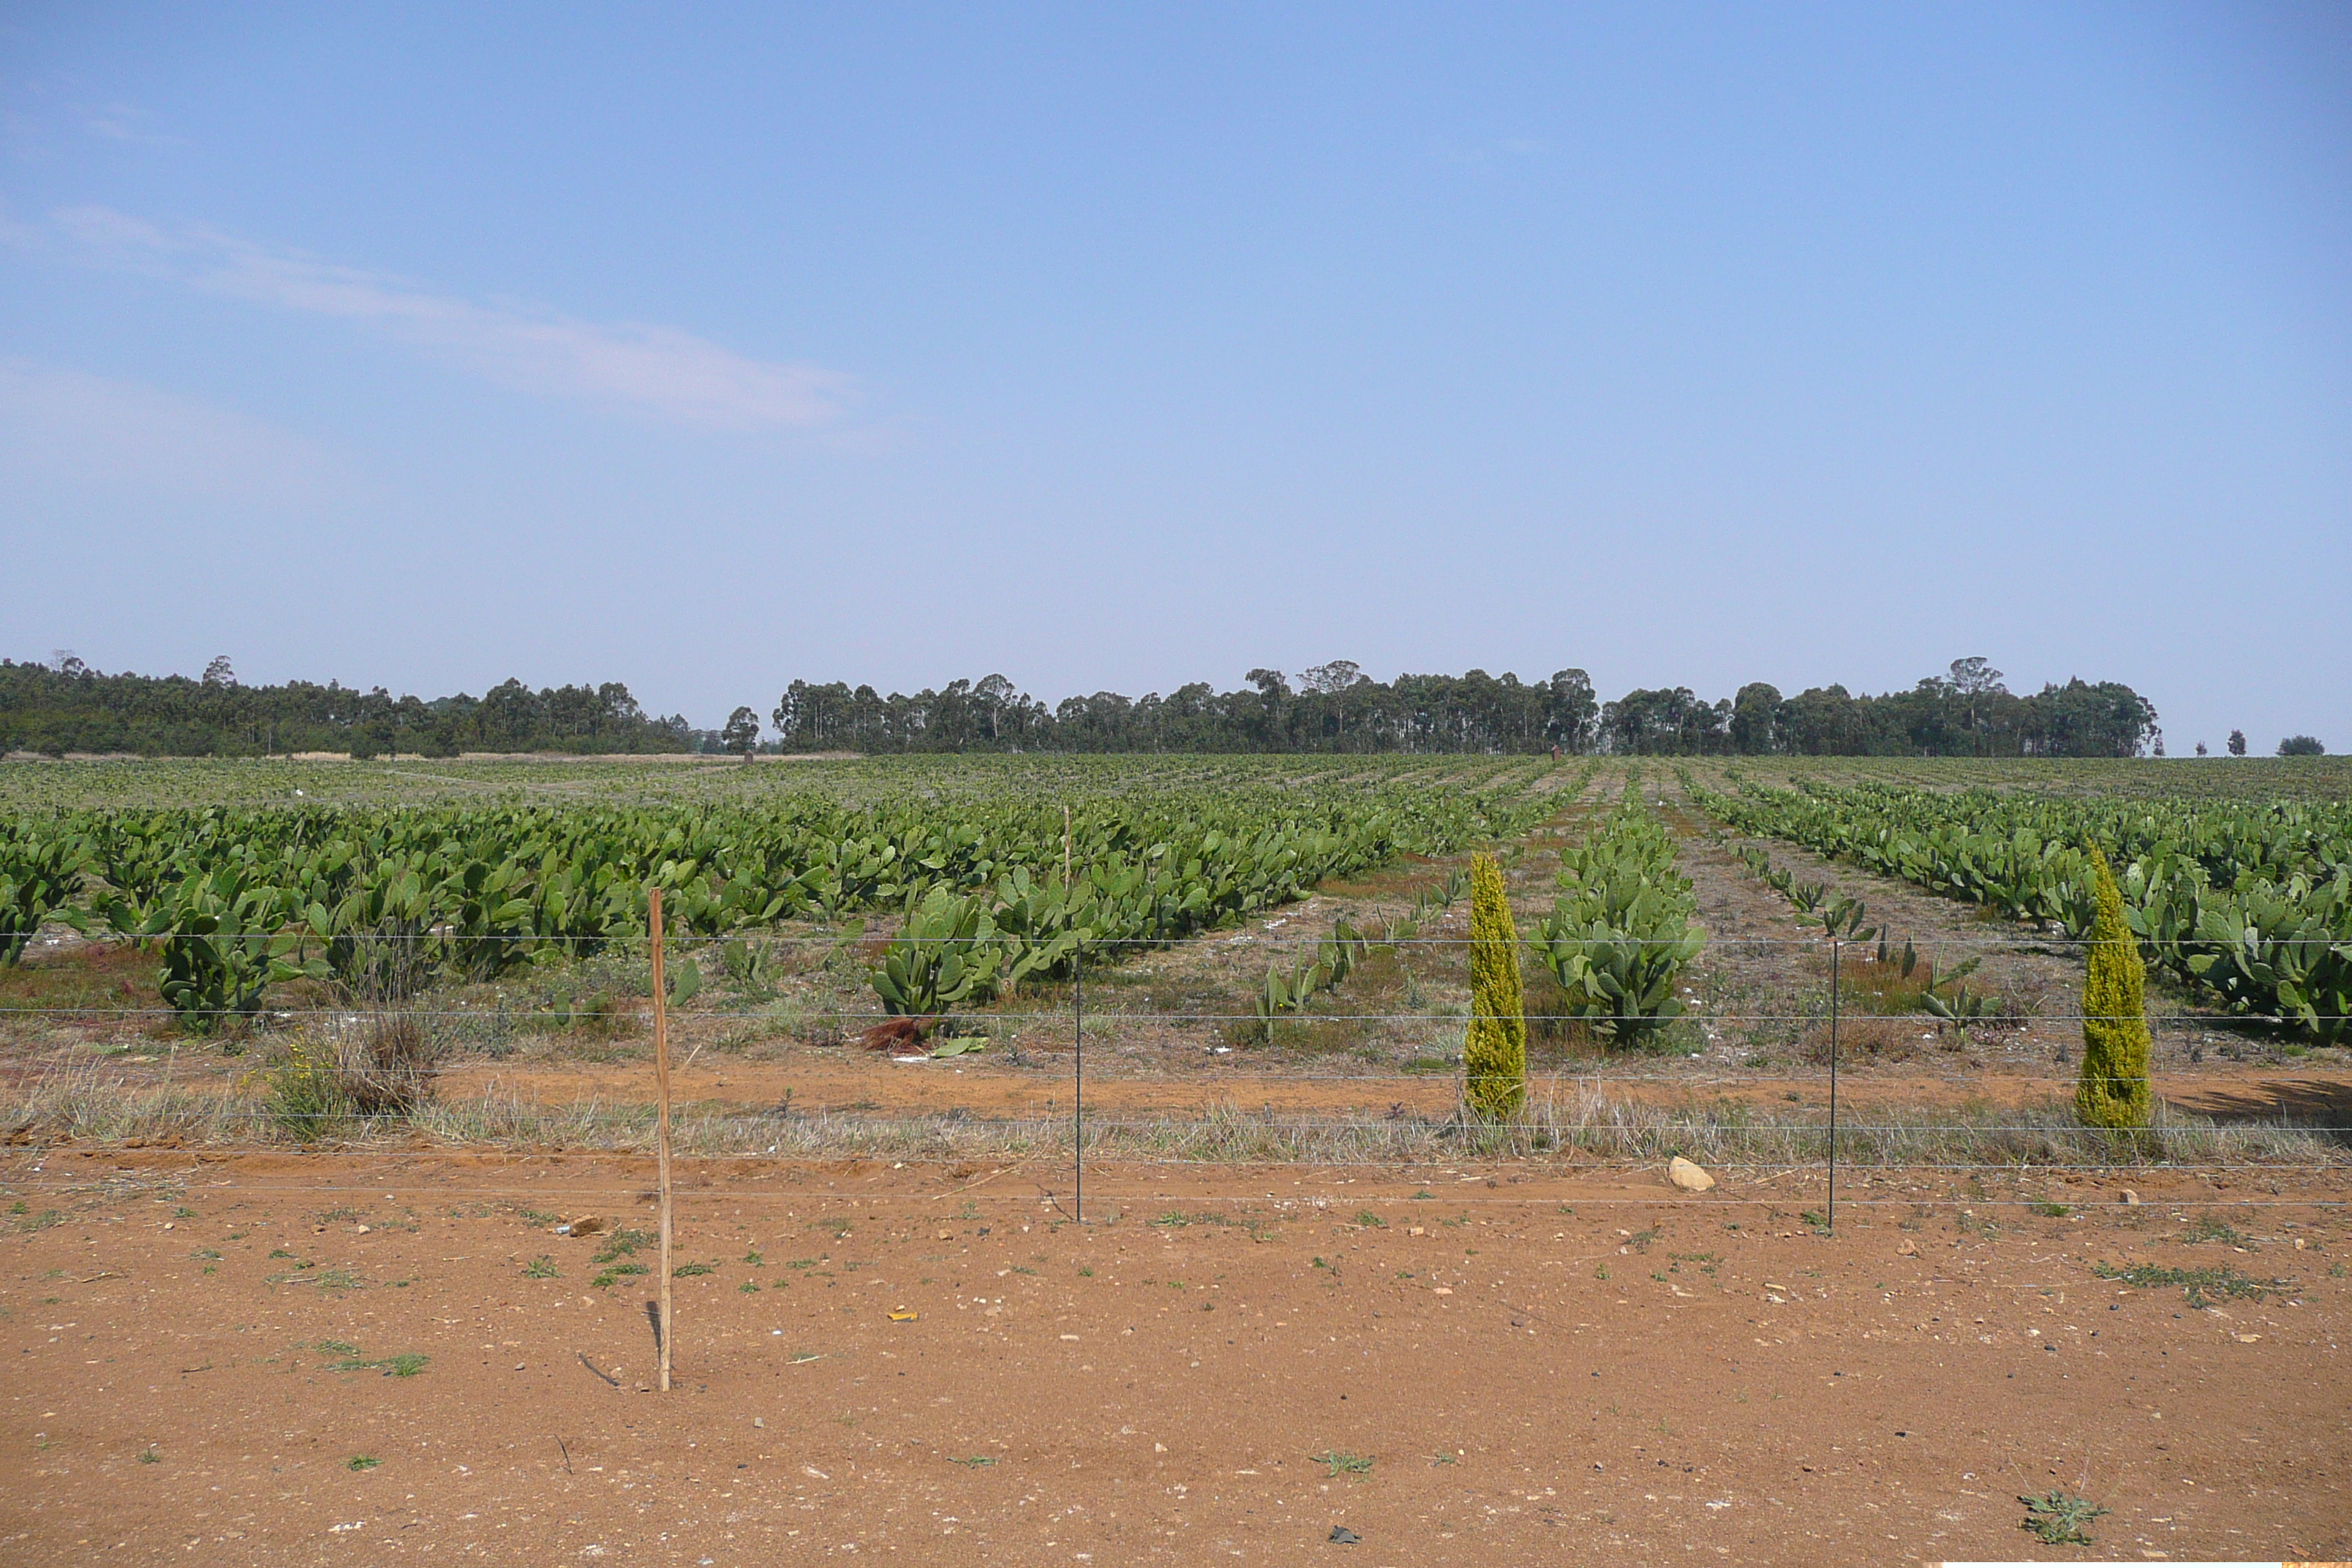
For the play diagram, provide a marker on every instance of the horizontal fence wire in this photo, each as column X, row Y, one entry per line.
column 2007, row 1022
column 1212, row 936
column 1788, row 1142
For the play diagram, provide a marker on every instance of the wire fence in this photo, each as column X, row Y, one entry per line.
column 1745, row 1063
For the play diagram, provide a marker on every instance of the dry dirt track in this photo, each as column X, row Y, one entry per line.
column 1735, row 1389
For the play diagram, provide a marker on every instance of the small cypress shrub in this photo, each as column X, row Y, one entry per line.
column 1495, row 1051
column 2114, row 1089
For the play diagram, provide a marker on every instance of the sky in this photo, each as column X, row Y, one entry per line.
column 1117, row 347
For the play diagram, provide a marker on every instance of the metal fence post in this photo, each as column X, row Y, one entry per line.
column 1079, row 1128
column 1833, row 1064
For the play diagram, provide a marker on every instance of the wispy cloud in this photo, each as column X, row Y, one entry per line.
column 655, row 369
column 67, row 432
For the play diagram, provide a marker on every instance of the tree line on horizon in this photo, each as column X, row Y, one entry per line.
column 1335, row 707
column 65, row 706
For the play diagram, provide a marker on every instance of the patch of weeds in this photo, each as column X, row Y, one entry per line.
column 1371, row 1221
column 1640, row 1240
column 755, row 1261
column 41, row 1221
column 539, row 1217
column 206, row 1255
column 1088, row 1273
column 183, row 1212
column 688, row 1270
column 1601, row 1272
column 336, row 1347
column 1017, row 1268
column 606, row 1280
column 541, row 1268
column 1320, row 1264
column 149, row 1456
column 2059, row 1518
column 2051, row 1210
column 1337, row 1464
column 408, row 1363
column 2196, row 1284
column 361, row 1462
column 1658, row 1277
column 1818, row 1221
column 625, row 1243
column 2211, row 1228
column 1424, row 1192
column 973, row 1462
column 1440, row 1458
column 279, row 1252
column 749, row 1287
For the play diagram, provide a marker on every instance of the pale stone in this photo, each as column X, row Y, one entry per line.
column 1687, row 1176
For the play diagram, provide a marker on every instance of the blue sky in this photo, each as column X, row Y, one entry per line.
column 1118, row 347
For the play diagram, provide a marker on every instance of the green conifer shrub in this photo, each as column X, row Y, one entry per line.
column 1495, row 1052
column 2114, row 1087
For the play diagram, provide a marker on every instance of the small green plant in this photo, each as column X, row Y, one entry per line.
column 2211, row 1228
column 606, row 1279
column 625, row 1243
column 406, row 1364
column 1640, row 1240
column 688, row 1270
column 2052, row 1211
column 1336, row 1463
column 149, row 1456
column 306, row 1097
column 2196, row 1284
column 541, row 1268
column 361, row 1462
column 1601, row 1272
column 1371, row 1221
column 1819, row 1222
column 972, row 1462
column 749, row 1287
column 2059, row 1518
column 1085, row 1273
